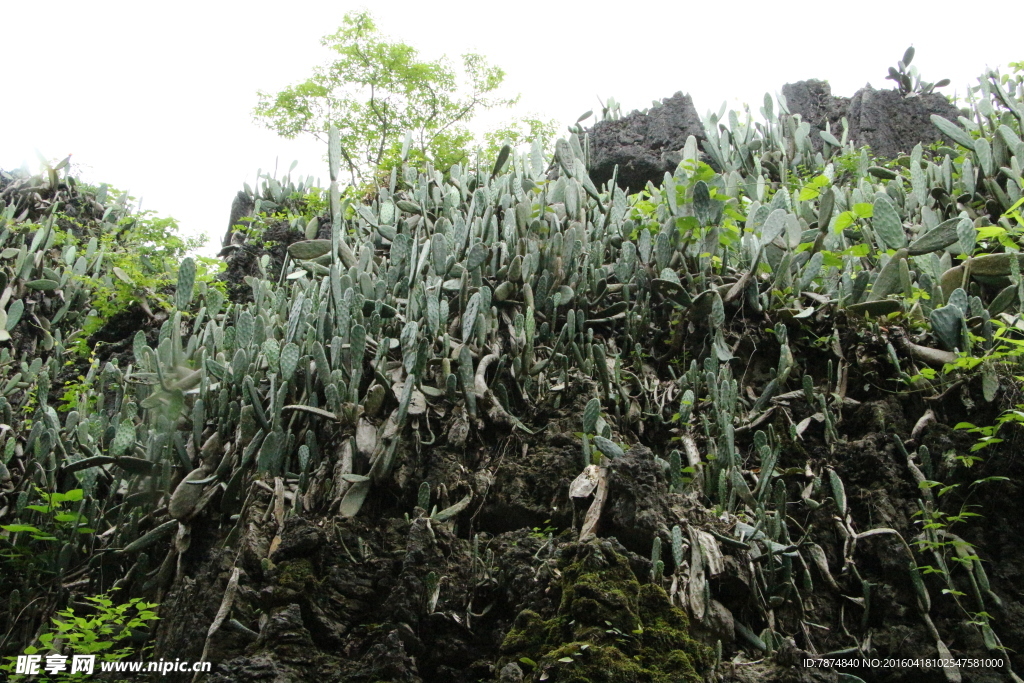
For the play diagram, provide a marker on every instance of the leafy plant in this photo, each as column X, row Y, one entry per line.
column 54, row 514
column 143, row 256
column 32, row 552
column 104, row 633
column 542, row 532
column 376, row 91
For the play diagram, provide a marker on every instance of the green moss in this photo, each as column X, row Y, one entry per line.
column 296, row 574
column 608, row 627
column 526, row 634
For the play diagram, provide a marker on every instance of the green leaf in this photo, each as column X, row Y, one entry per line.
column 829, row 138
column 14, row 313
column 830, row 260
column 270, row 453
column 939, row 237
column 717, row 317
column 123, row 276
column 883, row 173
column 309, row 249
column 987, row 479
column 289, row 360
column 702, row 203
column 773, row 226
column 469, row 316
column 966, row 235
column 844, row 220
column 409, row 345
column 946, row 324
column 405, row 146
column 354, row 497
column 499, row 163
column 808, row 193
column 477, row 255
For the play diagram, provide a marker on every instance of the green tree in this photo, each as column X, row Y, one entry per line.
column 377, row 91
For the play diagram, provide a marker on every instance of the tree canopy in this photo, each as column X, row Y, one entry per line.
column 377, row 91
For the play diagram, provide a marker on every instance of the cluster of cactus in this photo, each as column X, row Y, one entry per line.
column 55, row 250
column 275, row 195
column 908, row 80
column 482, row 297
column 41, row 269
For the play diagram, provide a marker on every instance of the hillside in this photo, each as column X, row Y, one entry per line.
column 508, row 424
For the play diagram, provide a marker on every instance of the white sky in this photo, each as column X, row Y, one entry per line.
column 156, row 98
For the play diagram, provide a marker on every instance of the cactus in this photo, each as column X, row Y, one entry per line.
column 488, row 297
column 423, row 496
column 186, row 283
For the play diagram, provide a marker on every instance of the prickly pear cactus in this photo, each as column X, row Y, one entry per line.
column 461, row 314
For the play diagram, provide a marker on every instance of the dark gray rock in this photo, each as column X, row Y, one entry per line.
column 644, row 146
column 814, row 101
column 637, row 510
column 389, row 661
column 300, row 539
column 241, row 207
column 510, row 673
column 889, row 124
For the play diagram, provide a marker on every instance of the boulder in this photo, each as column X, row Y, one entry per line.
column 814, row 101
column 241, row 207
column 888, row 123
column 644, row 146
column 892, row 125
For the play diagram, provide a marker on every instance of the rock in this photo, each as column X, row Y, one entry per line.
column 510, row 673
column 813, row 100
column 645, row 146
column 789, row 654
column 241, row 207
column 719, row 621
column 889, row 124
column 636, row 511
column 601, row 595
column 286, row 629
column 300, row 539
column 390, row 661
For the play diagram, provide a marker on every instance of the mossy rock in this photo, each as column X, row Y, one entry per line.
column 297, row 574
column 608, row 627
